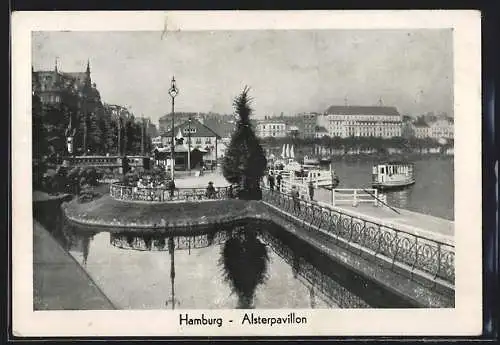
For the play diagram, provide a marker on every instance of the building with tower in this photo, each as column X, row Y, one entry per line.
column 54, row 86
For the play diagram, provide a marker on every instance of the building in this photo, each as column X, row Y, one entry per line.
column 197, row 136
column 441, row 129
column 53, row 87
column 271, row 127
column 421, row 129
column 165, row 122
column 407, row 129
column 321, row 132
column 157, row 141
column 307, row 125
column 151, row 129
column 363, row 121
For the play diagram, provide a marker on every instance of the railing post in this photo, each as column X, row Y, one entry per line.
column 333, row 196
column 375, row 201
column 355, row 198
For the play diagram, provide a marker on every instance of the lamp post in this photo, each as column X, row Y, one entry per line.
column 189, row 146
column 173, row 91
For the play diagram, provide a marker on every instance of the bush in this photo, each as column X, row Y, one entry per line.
column 88, row 196
column 90, row 176
column 130, row 178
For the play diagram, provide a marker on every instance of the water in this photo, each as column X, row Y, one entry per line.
column 432, row 194
column 251, row 265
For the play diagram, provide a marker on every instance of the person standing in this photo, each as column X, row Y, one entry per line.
column 278, row 181
column 270, row 180
column 295, row 197
column 171, row 188
column 210, row 192
column 311, row 191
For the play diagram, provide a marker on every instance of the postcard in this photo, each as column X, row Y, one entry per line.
column 246, row 173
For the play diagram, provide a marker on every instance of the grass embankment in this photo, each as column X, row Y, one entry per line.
column 109, row 212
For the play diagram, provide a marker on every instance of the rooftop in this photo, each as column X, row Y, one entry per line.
column 201, row 129
column 362, row 110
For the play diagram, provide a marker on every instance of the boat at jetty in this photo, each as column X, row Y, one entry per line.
column 289, row 168
column 392, row 175
column 325, row 160
column 310, row 161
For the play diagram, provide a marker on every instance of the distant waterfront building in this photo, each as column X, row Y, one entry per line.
column 421, row 130
column 305, row 122
column 271, row 127
column 363, row 121
column 321, row 132
column 407, row 130
column 293, row 131
column 442, row 128
column 308, row 122
column 323, row 121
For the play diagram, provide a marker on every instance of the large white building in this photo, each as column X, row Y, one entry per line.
column 421, row 130
column 441, row 129
column 275, row 128
column 363, row 121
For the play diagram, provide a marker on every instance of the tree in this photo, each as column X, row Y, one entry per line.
column 245, row 161
column 38, row 130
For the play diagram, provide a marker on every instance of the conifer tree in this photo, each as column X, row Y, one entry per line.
column 245, row 161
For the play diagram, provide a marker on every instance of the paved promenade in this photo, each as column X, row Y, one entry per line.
column 416, row 223
column 201, row 181
column 59, row 282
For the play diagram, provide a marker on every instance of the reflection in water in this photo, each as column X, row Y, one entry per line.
column 400, row 198
column 312, row 270
column 262, row 266
column 244, row 260
column 158, row 242
column 171, row 249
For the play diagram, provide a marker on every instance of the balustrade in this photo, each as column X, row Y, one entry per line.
column 416, row 253
column 131, row 193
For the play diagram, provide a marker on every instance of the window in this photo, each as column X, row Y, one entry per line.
column 189, row 130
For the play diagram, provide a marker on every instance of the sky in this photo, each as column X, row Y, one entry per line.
column 288, row 71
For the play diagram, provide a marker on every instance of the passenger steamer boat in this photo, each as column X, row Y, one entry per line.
column 393, row 175
column 304, row 173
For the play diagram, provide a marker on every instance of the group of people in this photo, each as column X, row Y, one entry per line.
column 272, row 181
column 145, row 183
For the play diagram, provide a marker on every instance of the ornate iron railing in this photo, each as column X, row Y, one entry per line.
column 104, row 161
column 130, row 193
column 398, row 247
